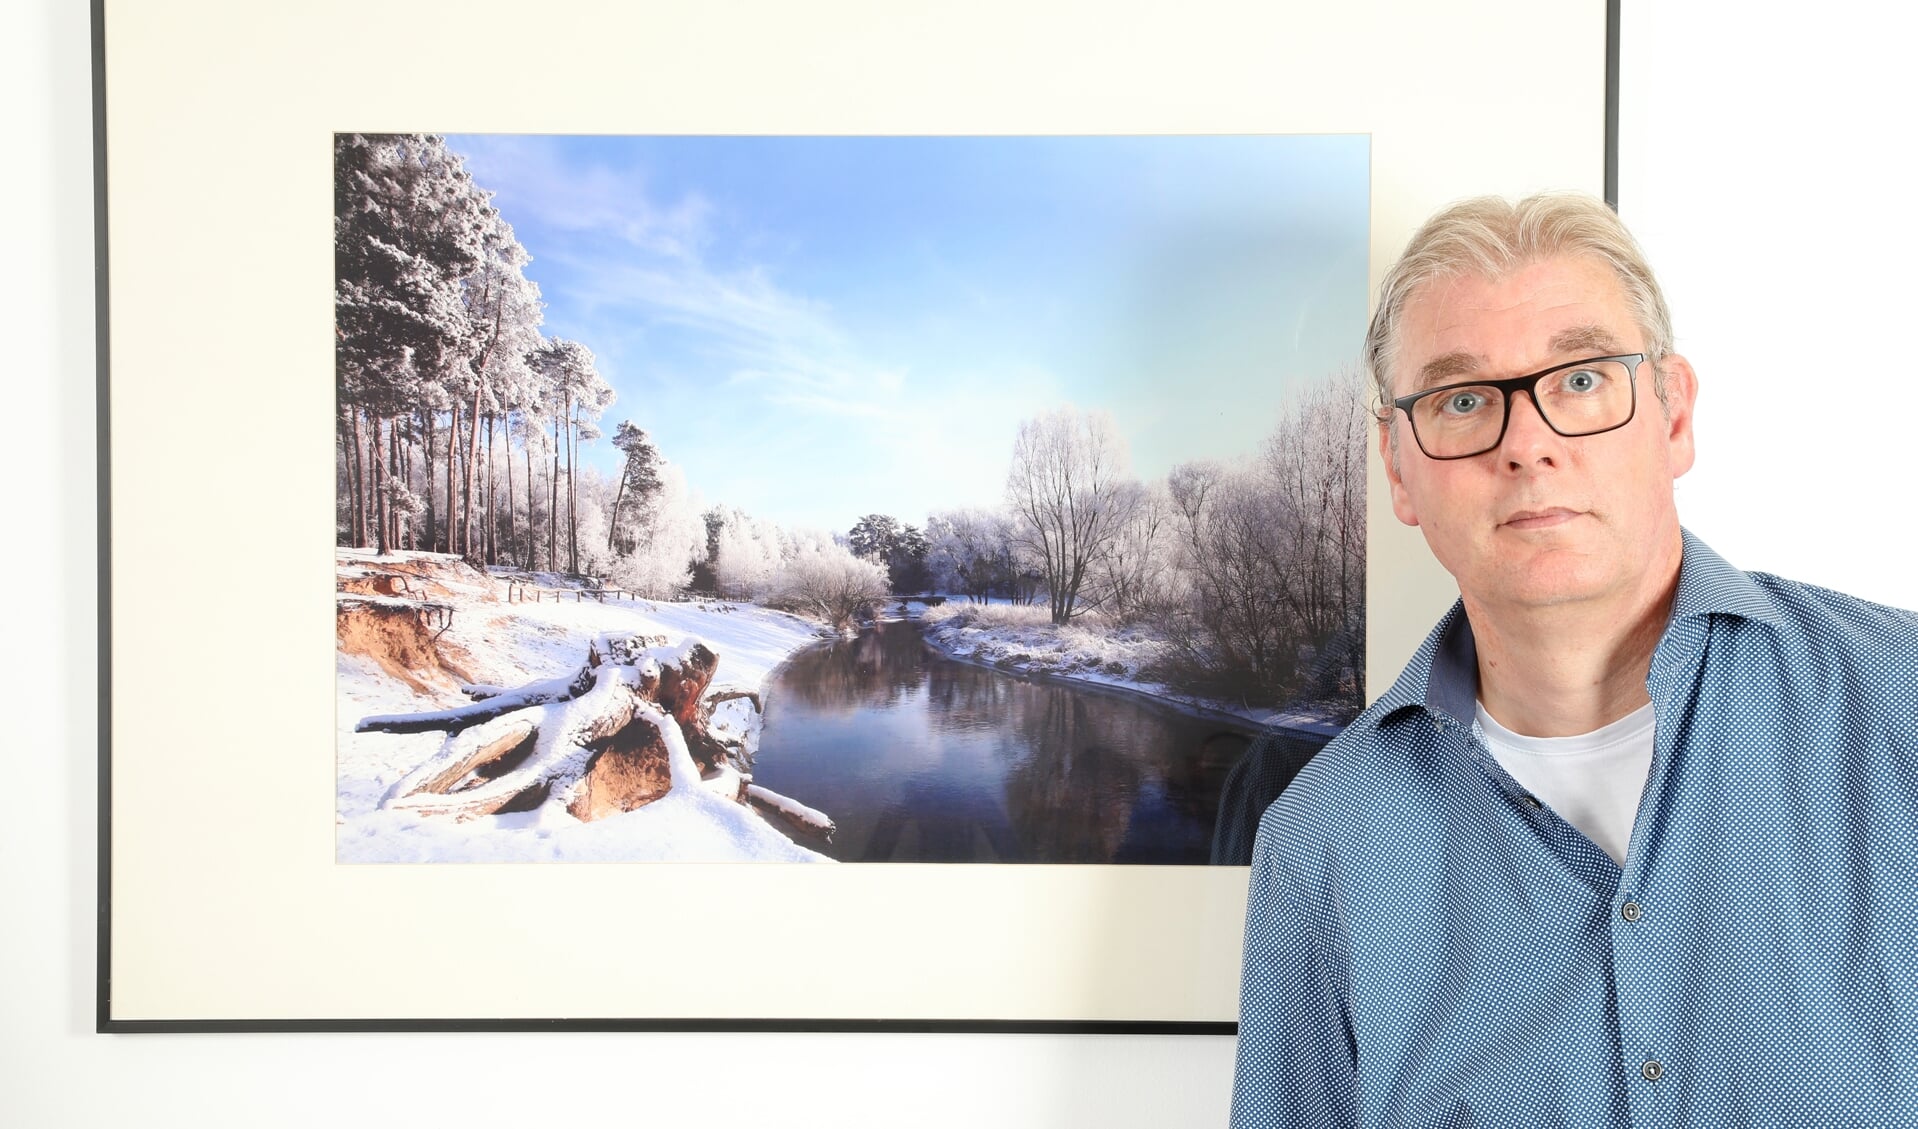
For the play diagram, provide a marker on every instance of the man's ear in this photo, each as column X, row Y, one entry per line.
column 1401, row 501
column 1681, row 396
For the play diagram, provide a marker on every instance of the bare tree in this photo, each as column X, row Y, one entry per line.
column 1069, row 497
column 1315, row 463
column 1135, row 578
column 826, row 581
column 1234, row 544
column 1274, row 550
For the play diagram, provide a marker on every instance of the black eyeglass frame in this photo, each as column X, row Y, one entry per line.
column 1511, row 387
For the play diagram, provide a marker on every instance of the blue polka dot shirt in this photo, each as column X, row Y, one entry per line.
column 1427, row 946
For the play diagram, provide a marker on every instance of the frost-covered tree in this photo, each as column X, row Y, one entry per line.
column 1273, row 552
column 408, row 229
column 1069, row 497
column 639, row 485
column 669, row 535
column 533, row 430
column 961, row 552
column 1137, row 577
column 575, row 395
column 1315, row 465
column 825, row 580
column 1233, row 542
column 705, row 579
column 503, row 319
column 749, row 555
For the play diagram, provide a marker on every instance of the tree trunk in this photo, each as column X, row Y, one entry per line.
column 490, row 536
column 613, row 522
column 472, row 466
column 355, row 504
column 432, row 538
column 407, row 536
column 572, row 494
column 363, row 475
column 393, row 471
column 379, row 489
column 473, row 418
column 452, row 461
column 552, row 507
column 532, row 529
column 512, row 519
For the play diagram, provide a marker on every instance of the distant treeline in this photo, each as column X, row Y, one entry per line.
column 1254, row 568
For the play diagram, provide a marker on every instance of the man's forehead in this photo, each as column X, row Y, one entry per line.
column 1556, row 308
column 1586, row 340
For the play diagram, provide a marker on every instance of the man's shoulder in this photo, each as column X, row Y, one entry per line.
column 1838, row 624
column 1821, row 610
column 1782, row 662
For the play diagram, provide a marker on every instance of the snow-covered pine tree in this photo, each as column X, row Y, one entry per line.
column 504, row 314
column 639, row 480
column 407, row 230
column 576, row 394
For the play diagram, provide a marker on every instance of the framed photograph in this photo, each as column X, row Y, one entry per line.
column 566, row 478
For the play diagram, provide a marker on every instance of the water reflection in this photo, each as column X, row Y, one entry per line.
column 922, row 759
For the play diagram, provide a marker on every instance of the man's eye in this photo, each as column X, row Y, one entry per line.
column 1582, row 380
column 1463, row 403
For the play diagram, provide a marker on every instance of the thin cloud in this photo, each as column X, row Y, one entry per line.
column 535, row 175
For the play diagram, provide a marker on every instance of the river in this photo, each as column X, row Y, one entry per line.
column 921, row 758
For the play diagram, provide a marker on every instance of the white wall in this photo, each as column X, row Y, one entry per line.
column 1798, row 119
column 1795, row 117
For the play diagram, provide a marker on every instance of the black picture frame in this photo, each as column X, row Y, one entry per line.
column 140, row 986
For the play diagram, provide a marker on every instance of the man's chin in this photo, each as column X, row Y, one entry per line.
column 1555, row 579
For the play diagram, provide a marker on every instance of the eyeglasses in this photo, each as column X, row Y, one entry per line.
column 1457, row 421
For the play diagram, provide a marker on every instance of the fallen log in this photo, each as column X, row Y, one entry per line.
column 808, row 820
column 626, row 729
column 494, row 704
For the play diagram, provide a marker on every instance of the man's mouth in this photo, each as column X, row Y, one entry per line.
column 1539, row 519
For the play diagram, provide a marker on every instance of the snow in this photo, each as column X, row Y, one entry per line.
column 680, row 826
column 1022, row 638
column 499, row 644
column 811, row 817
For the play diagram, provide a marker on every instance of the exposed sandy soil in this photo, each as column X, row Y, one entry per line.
column 406, row 608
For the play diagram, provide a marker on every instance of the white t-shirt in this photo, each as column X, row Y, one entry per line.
column 1592, row 780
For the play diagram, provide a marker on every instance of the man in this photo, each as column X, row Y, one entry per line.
column 1634, row 838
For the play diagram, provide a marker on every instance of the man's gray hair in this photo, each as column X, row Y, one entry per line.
column 1490, row 237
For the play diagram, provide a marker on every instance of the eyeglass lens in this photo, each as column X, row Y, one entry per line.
column 1579, row 399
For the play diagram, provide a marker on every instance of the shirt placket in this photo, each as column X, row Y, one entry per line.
column 1642, row 958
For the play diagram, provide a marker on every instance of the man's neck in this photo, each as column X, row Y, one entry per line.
column 1565, row 669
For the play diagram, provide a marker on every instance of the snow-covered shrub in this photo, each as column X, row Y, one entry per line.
column 825, row 580
column 989, row 615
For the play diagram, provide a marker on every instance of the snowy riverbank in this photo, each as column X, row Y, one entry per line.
column 490, row 641
column 1022, row 638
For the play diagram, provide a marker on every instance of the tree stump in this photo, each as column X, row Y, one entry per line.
column 614, row 736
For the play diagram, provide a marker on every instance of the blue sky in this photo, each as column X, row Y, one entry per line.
column 818, row 328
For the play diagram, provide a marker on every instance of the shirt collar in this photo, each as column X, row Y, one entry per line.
column 1442, row 676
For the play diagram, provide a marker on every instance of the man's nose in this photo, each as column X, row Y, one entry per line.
column 1529, row 440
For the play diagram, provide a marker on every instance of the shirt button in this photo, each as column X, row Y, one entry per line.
column 1653, row 1070
column 1630, row 911
column 1532, row 800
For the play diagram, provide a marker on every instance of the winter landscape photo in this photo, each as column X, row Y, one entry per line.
column 857, row 499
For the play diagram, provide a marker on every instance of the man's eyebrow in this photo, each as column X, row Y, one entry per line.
column 1588, row 339
column 1440, row 369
